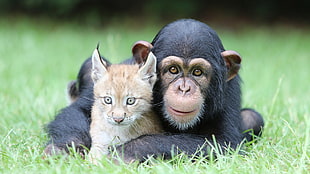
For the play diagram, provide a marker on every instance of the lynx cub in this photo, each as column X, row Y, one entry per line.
column 122, row 106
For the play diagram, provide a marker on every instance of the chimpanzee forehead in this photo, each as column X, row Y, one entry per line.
column 170, row 60
column 199, row 61
column 187, row 49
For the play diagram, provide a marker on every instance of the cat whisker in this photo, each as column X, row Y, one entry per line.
column 89, row 99
column 158, row 104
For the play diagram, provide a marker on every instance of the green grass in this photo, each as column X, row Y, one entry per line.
column 38, row 58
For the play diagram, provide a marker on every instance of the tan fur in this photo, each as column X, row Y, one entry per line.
column 119, row 82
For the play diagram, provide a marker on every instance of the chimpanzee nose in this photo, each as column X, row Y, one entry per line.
column 184, row 88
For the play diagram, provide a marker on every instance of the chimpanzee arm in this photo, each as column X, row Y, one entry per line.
column 163, row 145
column 71, row 126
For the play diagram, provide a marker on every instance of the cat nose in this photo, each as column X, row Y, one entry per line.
column 118, row 119
column 118, row 116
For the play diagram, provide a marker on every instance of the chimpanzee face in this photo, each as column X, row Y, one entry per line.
column 184, row 82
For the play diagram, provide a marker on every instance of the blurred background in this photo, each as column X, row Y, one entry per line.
column 63, row 33
column 221, row 11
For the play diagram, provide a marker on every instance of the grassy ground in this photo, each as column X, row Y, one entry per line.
column 38, row 58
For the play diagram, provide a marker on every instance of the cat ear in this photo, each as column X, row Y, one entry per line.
column 148, row 70
column 99, row 66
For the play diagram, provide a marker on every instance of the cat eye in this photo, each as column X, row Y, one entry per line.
column 197, row 72
column 107, row 100
column 173, row 70
column 131, row 101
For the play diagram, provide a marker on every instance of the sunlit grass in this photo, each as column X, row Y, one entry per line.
column 38, row 58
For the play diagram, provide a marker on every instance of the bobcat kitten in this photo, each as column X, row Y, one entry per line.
column 122, row 106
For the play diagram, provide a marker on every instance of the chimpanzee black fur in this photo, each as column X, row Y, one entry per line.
column 192, row 39
column 186, row 39
column 71, row 125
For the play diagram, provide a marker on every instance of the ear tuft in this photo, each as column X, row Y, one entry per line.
column 99, row 66
column 233, row 63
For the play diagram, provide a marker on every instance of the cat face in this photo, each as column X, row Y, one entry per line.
column 123, row 93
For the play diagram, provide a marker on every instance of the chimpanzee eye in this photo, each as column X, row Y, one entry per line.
column 197, row 72
column 173, row 70
column 131, row 101
column 107, row 100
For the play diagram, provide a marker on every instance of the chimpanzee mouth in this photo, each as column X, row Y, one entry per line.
column 182, row 120
column 176, row 112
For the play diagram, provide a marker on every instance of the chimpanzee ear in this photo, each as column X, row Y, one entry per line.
column 148, row 70
column 233, row 63
column 99, row 66
column 140, row 51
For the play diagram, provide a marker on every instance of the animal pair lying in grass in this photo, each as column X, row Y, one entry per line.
column 195, row 98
